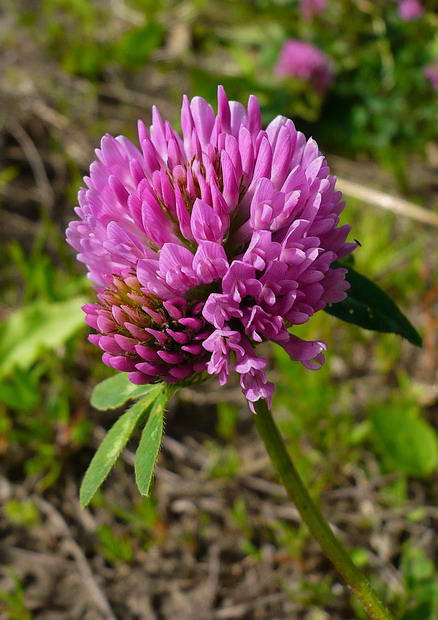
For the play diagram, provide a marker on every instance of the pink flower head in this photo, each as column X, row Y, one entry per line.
column 431, row 72
column 410, row 9
column 311, row 8
column 204, row 244
column 305, row 62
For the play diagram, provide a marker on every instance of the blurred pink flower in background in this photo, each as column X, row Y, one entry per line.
column 431, row 72
column 306, row 62
column 311, row 8
column 410, row 9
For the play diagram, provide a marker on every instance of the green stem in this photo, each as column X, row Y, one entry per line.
column 310, row 514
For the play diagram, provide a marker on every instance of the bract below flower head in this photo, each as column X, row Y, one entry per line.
column 205, row 244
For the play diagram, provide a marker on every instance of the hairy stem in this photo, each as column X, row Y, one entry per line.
column 310, row 514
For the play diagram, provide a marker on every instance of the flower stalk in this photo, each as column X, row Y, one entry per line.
column 310, row 514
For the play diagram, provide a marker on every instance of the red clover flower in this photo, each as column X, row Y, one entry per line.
column 311, row 8
column 205, row 244
column 431, row 73
column 410, row 9
column 305, row 62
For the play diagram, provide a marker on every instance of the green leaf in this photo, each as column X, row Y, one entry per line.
column 416, row 566
column 149, row 445
column 20, row 391
column 407, row 441
column 110, row 448
column 369, row 307
column 135, row 46
column 421, row 583
column 36, row 327
column 115, row 391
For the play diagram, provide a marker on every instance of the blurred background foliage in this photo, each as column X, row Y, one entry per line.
column 361, row 428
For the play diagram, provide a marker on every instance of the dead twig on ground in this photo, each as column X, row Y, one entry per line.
column 34, row 158
column 71, row 546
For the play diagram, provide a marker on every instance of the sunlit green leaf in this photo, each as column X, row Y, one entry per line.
column 20, row 390
column 407, row 441
column 149, row 445
column 115, row 391
column 38, row 326
column 110, row 448
column 416, row 566
column 369, row 307
column 135, row 46
column 420, row 578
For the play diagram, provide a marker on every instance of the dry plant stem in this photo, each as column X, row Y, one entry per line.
column 310, row 514
column 386, row 201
